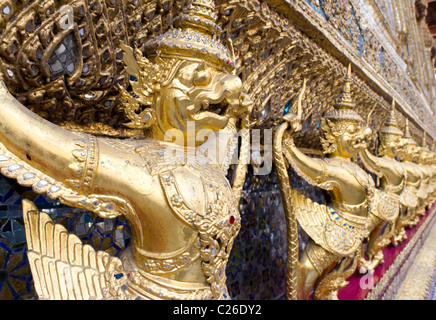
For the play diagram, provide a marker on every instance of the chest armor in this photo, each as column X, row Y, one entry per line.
column 385, row 206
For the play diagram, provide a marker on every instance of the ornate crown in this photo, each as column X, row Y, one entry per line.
column 344, row 106
column 391, row 126
column 195, row 36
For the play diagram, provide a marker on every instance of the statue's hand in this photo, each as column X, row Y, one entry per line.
column 294, row 122
column 295, row 119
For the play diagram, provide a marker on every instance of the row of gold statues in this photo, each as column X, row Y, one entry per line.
column 363, row 219
column 184, row 212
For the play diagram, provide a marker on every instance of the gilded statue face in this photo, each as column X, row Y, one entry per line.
column 201, row 94
column 400, row 150
column 414, row 152
column 354, row 140
column 349, row 137
column 432, row 158
column 388, row 144
column 424, row 157
column 406, row 151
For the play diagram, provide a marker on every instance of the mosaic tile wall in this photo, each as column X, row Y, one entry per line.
column 257, row 265
column 110, row 235
column 256, row 268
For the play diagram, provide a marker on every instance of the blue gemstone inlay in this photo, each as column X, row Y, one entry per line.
column 287, row 107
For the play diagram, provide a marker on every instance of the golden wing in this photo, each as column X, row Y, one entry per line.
column 326, row 227
column 64, row 268
column 312, row 216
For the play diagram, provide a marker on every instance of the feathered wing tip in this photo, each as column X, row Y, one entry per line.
column 129, row 60
column 63, row 268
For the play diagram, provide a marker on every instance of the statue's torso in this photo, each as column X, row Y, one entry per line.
column 186, row 214
column 393, row 180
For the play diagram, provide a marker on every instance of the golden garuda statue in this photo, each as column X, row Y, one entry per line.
column 392, row 179
column 171, row 186
column 426, row 186
column 407, row 153
column 336, row 232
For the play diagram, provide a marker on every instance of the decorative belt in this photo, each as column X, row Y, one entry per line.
column 159, row 264
column 352, row 219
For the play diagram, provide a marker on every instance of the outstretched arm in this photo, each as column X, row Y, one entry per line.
column 311, row 169
column 45, row 146
column 371, row 162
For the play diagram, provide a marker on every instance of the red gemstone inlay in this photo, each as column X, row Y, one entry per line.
column 232, row 219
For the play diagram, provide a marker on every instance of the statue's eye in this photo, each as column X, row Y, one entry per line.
column 202, row 78
column 352, row 129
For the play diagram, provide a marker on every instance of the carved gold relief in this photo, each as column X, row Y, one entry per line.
column 142, row 69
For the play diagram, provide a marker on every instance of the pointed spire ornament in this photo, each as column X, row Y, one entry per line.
column 343, row 108
column 407, row 136
column 195, row 36
column 345, row 101
column 424, row 143
column 407, row 130
column 391, row 125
